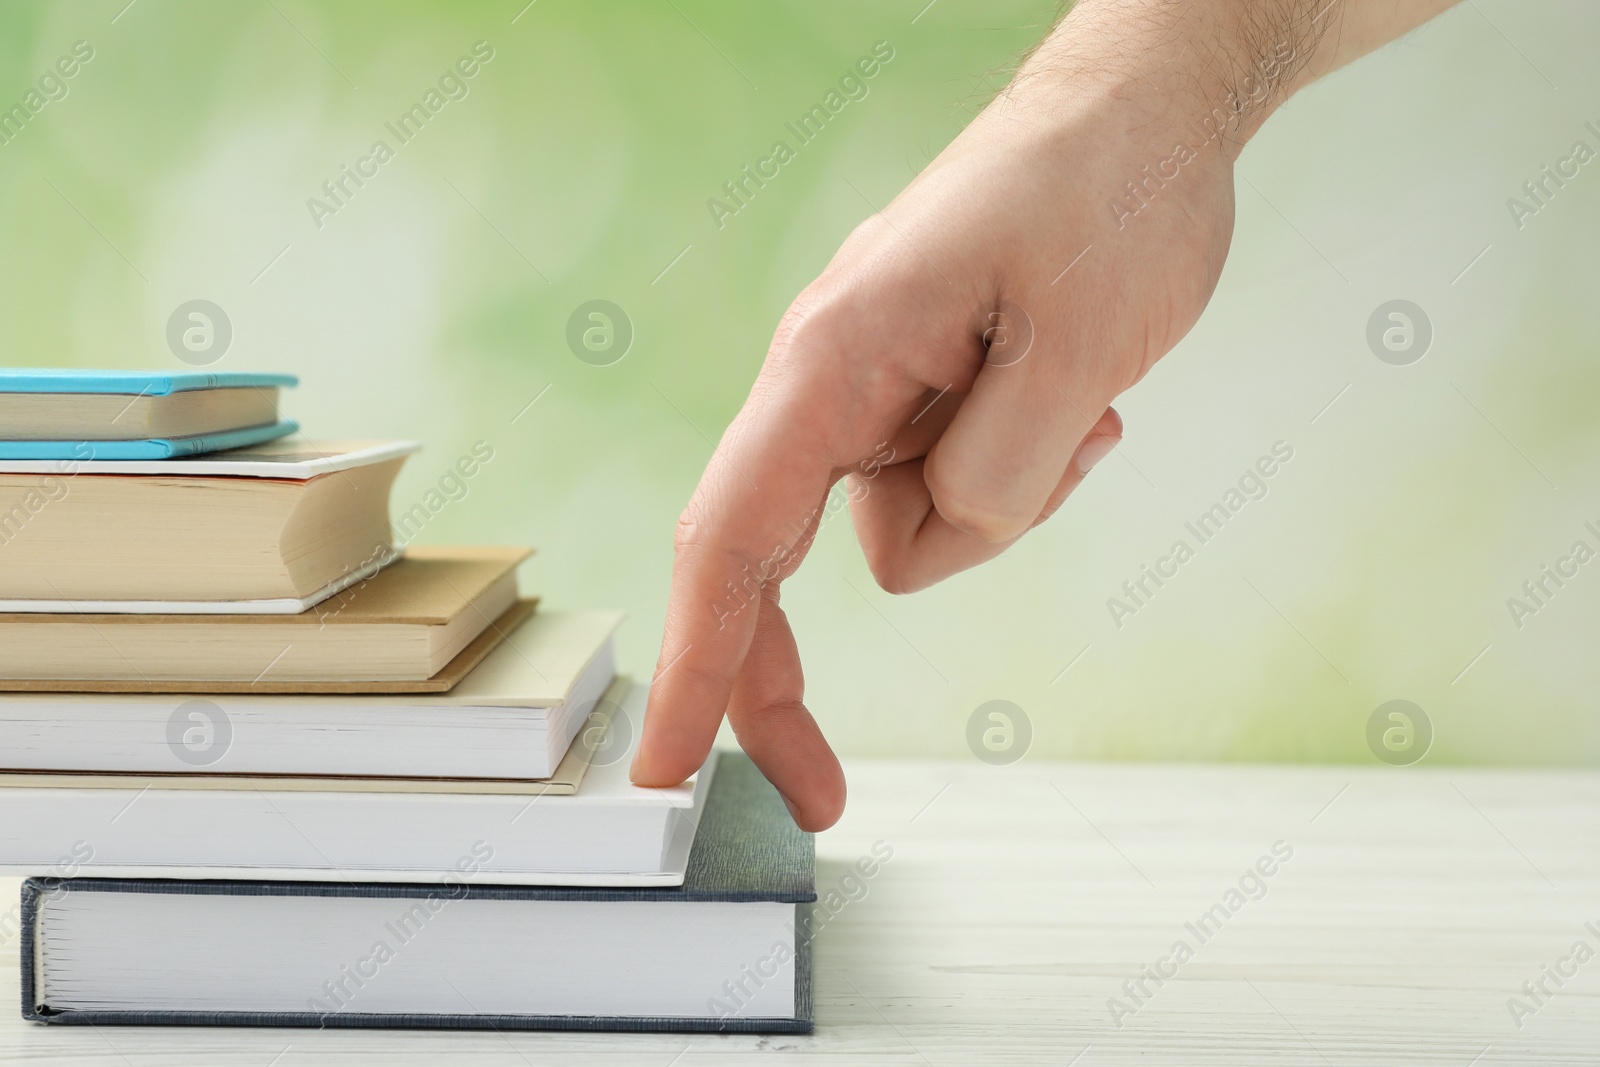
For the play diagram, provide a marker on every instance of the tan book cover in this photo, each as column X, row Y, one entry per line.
column 406, row 624
column 457, row 669
column 429, row 585
column 267, row 524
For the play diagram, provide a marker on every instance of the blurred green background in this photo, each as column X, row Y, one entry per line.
column 434, row 304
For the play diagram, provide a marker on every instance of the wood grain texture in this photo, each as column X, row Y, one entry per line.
column 1019, row 899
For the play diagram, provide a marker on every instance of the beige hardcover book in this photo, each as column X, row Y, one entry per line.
column 404, row 624
column 119, row 417
column 86, row 533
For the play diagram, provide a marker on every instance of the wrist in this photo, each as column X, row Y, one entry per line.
column 1218, row 68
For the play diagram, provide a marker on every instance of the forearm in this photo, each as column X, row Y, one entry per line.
column 1230, row 61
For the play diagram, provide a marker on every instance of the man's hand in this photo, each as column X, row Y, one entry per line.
column 977, row 331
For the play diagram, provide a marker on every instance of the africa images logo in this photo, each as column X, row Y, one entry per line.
column 199, row 733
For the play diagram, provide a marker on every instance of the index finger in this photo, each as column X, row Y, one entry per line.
column 749, row 522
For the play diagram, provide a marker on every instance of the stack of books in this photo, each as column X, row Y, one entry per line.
column 260, row 765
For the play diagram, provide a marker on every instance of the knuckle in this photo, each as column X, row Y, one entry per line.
column 891, row 573
column 689, row 530
column 897, row 581
column 840, row 319
column 978, row 521
column 698, row 538
column 963, row 508
column 1050, row 508
column 887, row 560
column 810, row 324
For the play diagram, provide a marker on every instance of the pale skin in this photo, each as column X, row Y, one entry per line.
column 902, row 340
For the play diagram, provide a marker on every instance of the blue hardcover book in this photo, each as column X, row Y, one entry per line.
column 131, row 382
column 725, row 951
column 149, row 448
column 63, row 414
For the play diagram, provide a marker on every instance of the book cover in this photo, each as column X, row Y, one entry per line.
column 563, row 781
column 747, row 850
column 297, row 461
column 153, row 449
column 131, row 382
column 453, row 595
column 512, row 717
column 444, row 681
column 272, row 606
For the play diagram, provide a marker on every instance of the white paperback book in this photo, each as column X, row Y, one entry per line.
column 513, row 716
column 609, row 832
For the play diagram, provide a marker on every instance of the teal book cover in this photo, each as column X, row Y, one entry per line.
column 155, row 448
column 133, row 383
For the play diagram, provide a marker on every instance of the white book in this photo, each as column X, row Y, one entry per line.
column 728, row 949
column 609, row 832
column 513, row 716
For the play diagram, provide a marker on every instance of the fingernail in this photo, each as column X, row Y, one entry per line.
column 794, row 812
column 1093, row 450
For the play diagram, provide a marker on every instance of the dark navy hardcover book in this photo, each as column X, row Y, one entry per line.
column 747, row 850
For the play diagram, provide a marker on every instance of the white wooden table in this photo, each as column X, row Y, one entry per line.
column 1020, row 899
